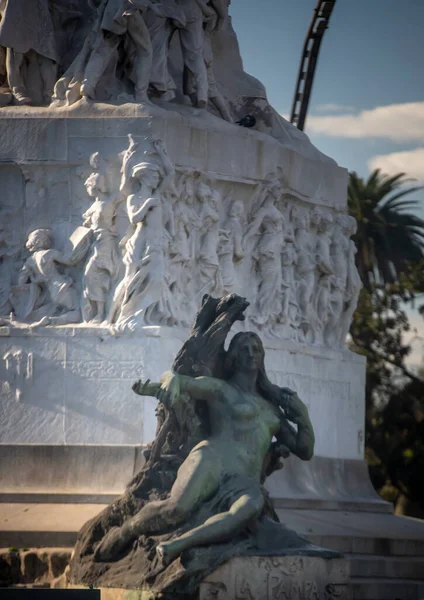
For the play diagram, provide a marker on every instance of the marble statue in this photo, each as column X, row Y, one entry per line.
column 50, row 294
column 5, row 93
column 211, row 498
column 214, row 15
column 103, row 260
column 192, row 40
column 142, row 295
column 118, row 23
column 27, row 32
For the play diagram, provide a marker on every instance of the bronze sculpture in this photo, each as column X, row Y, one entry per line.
column 199, row 499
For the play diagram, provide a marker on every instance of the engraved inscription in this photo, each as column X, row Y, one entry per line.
column 243, row 589
column 105, row 369
column 19, row 367
column 213, row 591
column 282, row 588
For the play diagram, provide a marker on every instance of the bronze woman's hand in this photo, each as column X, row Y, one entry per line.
column 285, row 396
column 145, row 388
column 282, row 451
column 296, row 411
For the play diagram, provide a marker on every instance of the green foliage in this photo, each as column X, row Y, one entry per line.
column 390, row 260
column 388, row 236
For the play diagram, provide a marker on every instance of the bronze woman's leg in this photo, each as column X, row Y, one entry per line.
column 197, row 479
column 218, row 528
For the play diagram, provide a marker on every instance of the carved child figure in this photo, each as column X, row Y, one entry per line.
column 50, row 288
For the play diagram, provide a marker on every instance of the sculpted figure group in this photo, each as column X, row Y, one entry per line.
column 186, row 235
column 124, row 52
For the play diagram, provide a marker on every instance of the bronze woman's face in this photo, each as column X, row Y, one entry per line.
column 250, row 354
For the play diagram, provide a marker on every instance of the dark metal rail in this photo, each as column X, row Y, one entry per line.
column 308, row 63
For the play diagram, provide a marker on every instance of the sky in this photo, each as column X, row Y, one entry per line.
column 367, row 104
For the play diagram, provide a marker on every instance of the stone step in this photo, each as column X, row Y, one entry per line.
column 375, row 546
column 391, row 567
column 31, row 497
column 386, row 589
column 36, row 525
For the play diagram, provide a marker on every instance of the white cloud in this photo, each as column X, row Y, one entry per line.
column 410, row 162
column 334, row 108
column 395, row 122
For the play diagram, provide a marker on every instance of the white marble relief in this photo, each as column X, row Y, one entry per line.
column 144, row 250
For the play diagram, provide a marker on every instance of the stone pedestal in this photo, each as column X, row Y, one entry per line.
column 71, row 385
column 266, row 578
column 278, row 578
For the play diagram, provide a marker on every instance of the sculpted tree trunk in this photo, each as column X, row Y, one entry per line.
column 180, row 429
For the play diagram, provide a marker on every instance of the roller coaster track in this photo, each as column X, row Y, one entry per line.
column 308, row 63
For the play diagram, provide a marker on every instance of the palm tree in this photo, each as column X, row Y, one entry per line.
column 388, row 235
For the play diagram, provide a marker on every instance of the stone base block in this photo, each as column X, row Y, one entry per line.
column 72, row 386
column 266, row 578
column 278, row 578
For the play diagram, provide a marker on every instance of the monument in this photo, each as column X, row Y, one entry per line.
column 141, row 170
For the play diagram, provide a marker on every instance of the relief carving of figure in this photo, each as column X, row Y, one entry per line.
column 103, row 260
column 207, row 260
column 353, row 284
column 27, row 32
column 305, row 271
column 51, row 294
column 289, row 302
column 324, row 271
column 143, row 296
column 9, row 249
column 268, row 222
column 339, row 260
column 180, row 264
column 161, row 25
column 289, row 306
column 230, row 249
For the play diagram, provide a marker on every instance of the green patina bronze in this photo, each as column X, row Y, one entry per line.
column 199, row 500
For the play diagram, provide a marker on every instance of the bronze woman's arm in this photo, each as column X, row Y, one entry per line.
column 300, row 442
column 172, row 385
column 298, row 413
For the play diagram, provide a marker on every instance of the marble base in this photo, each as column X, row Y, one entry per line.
column 278, row 578
column 72, row 385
